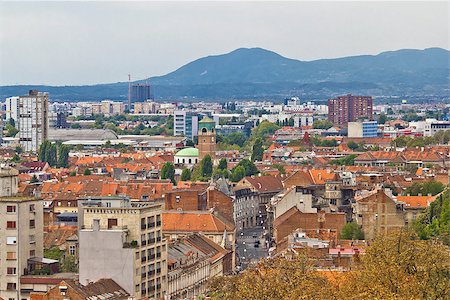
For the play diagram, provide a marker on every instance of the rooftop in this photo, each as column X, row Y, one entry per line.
column 187, row 152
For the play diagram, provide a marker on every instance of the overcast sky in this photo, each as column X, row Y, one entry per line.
column 69, row 43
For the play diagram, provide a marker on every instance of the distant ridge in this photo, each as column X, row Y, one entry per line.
column 260, row 74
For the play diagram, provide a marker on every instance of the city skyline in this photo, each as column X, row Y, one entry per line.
column 154, row 38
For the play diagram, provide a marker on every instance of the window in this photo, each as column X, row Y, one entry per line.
column 11, row 271
column 11, row 209
column 112, row 223
column 11, row 240
column 11, row 286
column 72, row 250
column 11, row 225
column 32, row 239
column 10, row 255
column 32, row 208
column 32, row 253
column 32, row 224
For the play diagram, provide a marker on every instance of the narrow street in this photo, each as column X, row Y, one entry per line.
column 251, row 247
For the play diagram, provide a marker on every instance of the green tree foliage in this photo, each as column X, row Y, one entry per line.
column 75, row 126
column 352, row 231
column 48, row 153
column 16, row 158
column 257, row 150
column 73, row 173
column 382, row 119
column 265, row 129
column 430, row 187
column 185, row 174
column 249, row 167
column 87, row 172
column 19, row 150
column 223, row 164
column 280, row 168
column 69, row 264
column 434, row 222
column 235, row 138
column 53, row 253
column 34, row 179
column 168, row 172
column 12, row 122
column 348, row 160
column 63, row 156
column 352, row 145
column 323, row 142
column 206, row 166
column 322, row 124
column 11, row 131
column 237, row 173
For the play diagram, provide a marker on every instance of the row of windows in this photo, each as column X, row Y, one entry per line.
column 13, row 208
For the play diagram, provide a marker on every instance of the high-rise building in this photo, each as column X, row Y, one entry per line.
column 33, row 120
column 140, row 92
column 123, row 240
column 363, row 129
column 21, row 233
column 206, row 138
column 185, row 123
column 12, row 108
column 349, row 108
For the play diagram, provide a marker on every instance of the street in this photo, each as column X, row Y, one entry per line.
column 247, row 253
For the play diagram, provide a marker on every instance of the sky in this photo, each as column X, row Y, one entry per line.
column 75, row 43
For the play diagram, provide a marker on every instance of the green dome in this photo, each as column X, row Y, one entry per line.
column 207, row 120
column 187, row 152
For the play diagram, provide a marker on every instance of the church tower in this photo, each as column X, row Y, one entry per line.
column 207, row 138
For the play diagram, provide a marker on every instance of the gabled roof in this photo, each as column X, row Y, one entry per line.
column 106, row 289
column 195, row 221
column 416, row 201
column 265, row 183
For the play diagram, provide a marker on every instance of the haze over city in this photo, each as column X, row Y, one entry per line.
column 72, row 43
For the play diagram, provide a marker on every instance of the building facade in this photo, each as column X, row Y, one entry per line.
column 21, row 234
column 33, row 120
column 349, row 108
column 12, row 109
column 123, row 240
column 206, row 138
column 140, row 92
column 185, row 124
column 363, row 129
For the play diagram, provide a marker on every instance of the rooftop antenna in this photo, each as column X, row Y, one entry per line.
column 129, row 93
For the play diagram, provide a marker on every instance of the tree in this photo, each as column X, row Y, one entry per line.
column 48, row 153
column 87, row 172
column 257, row 150
column 352, row 145
column 223, row 164
column 352, row 231
column 382, row 119
column 108, row 144
column 348, row 160
column 235, row 138
column 168, row 172
column 432, row 187
column 16, row 158
column 12, row 122
column 206, row 167
column 73, row 173
column 434, row 222
column 63, row 156
column 322, row 124
column 34, row 179
column 280, row 168
column 185, row 174
column 249, row 167
column 237, row 173
column 19, row 150
column 11, row 130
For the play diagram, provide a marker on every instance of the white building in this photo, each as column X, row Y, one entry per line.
column 12, row 108
column 185, row 123
column 33, row 120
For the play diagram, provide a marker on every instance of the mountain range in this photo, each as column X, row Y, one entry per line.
column 255, row 73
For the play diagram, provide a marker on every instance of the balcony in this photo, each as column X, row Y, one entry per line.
column 143, row 275
column 151, row 225
column 151, row 256
column 158, row 223
column 143, row 242
column 151, row 273
column 158, row 239
column 151, row 241
column 143, row 259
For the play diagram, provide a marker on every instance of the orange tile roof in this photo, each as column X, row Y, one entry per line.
column 193, row 222
column 416, row 201
column 321, row 176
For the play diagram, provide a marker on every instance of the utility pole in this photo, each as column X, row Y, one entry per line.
column 129, row 93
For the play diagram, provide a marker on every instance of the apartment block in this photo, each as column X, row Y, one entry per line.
column 21, row 234
column 185, row 124
column 122, row 240
column 12, row 108
column 349, row 108
column 33, row 120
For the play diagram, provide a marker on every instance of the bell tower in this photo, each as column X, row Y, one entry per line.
column 207, row 138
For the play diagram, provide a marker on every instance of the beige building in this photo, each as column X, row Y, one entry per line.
column 122, row 240
column 21, row 234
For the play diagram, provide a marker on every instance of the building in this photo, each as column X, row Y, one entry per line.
column 185, row 123
column 109, row 108
column 186, row 157
column 366, row 129
column 146, row 107
column 33, row 120
column 193, row 260
column 377, row 212
column 349, row 108
column 12, row 109
column 432, row 126
column 70, row 289
column 21, row 234
column 206, row 138
column 123, row 240
column 140, row 92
